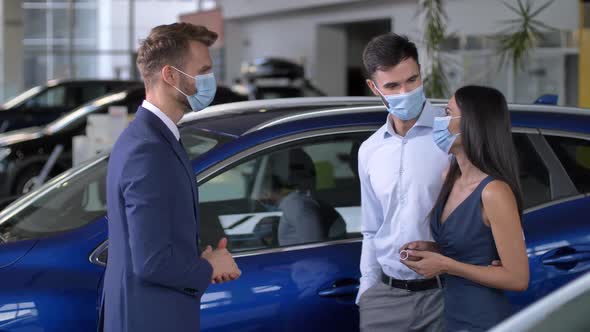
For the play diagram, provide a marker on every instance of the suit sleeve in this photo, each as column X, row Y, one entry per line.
column 148, row 194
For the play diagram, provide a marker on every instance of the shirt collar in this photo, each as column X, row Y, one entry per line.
column 167, row 121
column 426, row 119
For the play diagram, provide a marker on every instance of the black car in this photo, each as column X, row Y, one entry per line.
column 24, row 153
column 45, row 103
column 270, row 78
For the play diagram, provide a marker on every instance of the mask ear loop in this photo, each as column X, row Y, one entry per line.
column 385, row 102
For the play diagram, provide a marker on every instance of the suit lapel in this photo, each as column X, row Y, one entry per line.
column 153, row 121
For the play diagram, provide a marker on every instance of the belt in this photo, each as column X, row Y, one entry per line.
column 412, row 285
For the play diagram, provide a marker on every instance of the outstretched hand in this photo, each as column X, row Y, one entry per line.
column 224, row 266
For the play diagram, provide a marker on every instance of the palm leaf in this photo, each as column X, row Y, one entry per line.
column 522, row 34
column 435, row 83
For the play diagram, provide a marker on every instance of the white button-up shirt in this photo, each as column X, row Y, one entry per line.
column 401, row 178
column 167, row 121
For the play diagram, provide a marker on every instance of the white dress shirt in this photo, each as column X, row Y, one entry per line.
column 167, row 121
column 401, row 178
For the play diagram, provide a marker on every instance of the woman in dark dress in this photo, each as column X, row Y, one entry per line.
column 477, row 218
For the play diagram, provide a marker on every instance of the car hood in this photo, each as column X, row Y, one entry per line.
column 21, row 135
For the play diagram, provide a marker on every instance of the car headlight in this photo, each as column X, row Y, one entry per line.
column 4, row 152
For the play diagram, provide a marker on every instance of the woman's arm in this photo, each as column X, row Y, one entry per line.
column 499, row 206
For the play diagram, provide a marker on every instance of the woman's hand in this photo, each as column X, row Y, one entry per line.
column 418, row 245
column 429, row 264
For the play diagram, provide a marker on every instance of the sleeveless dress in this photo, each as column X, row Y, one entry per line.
column 464, row 237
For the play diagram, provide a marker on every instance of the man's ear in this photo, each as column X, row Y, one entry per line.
column 371, row 86
column 167, row 74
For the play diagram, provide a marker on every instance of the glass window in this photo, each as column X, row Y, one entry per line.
column 196, row 142
column 52, row 97
column 67, row 203
column 574, row 155
column 35, row 26
column 303, row 193
column 534, row 177
column 87, row 93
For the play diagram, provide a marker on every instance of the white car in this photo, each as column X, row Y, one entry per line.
column 565, row 310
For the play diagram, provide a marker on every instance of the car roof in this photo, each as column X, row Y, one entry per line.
column 238, row 119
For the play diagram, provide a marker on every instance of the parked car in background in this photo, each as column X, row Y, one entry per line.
column 45, row 103
column 564, row 310
column 23, row 153
column 55, row 247
column 270, row 78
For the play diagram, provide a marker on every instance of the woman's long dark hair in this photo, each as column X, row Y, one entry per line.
column 487, row 139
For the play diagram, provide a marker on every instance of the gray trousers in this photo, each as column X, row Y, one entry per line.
column 384, row 308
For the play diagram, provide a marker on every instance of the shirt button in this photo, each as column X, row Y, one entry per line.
column 404, row 141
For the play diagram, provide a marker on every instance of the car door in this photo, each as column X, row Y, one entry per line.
column 309, row 283
column 554, row 181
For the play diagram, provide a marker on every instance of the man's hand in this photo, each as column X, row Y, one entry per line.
column 224, row 266
column 418, row 246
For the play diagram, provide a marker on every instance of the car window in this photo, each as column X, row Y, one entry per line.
column 298, row 194
column 534, row 176
column 66, row 205
column 570, row 317
column 52, row 97
column 86, row 93
column 69, row 202
column 574, row 155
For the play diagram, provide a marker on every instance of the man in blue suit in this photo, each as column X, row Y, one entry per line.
column 156, row 274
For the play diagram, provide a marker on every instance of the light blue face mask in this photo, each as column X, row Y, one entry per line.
column 206, row 88
column 441, row 134
column 405, row 106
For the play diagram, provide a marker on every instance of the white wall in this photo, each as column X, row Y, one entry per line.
column 261, row 28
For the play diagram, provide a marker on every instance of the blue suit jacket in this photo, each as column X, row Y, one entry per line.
column 154, row 276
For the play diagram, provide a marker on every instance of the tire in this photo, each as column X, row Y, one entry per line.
column 25, row 180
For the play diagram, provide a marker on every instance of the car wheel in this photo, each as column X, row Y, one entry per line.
column 26, row 180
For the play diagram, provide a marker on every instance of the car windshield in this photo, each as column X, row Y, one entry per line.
column 78, row 196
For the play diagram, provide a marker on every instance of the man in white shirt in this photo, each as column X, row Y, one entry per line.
column 400, row 169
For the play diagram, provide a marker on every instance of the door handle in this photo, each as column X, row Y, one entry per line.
column 568, row 258
column 341, row 288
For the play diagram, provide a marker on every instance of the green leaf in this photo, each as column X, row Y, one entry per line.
column 542, row 8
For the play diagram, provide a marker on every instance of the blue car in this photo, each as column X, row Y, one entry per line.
column 54, row 240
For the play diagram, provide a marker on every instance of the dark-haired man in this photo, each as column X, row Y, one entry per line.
column 400, row 169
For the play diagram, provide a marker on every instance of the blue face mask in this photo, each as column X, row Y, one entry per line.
column 441, row 134
column 206, row 88
column 405, row 106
